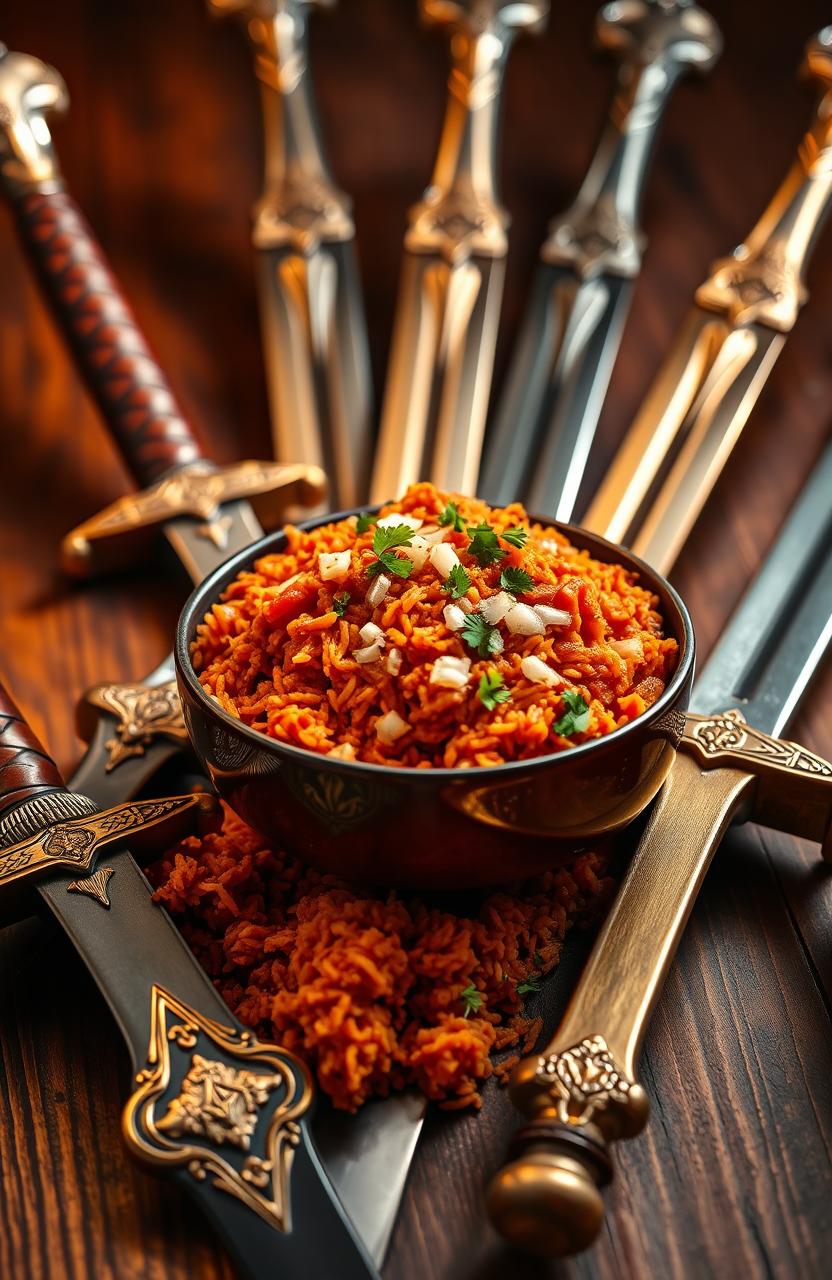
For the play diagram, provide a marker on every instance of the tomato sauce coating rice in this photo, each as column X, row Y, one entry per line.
column 447, row 633
column 375, row 991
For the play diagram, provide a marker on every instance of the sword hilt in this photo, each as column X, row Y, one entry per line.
column 27, row 771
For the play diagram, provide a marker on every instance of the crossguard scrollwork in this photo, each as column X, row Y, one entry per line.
column 198, row 491
column 216, row 1101
column 143, row 713
column 586, row 1085
column 76, row 844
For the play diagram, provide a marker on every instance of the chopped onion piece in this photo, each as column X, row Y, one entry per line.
column 631, row 649
column 417, row 552
column 443, row 557
column 454, row 617
column 450, row 672
column 344, row 751
column 334, row 564
column 433, row 535
column 371, row 653
column 464, row 604
column 390, row 727
column 536, row 670
column 397, row 518
column 495, row 608
column 378, row 590
column 394, row 662
column 497, row 643
column 522, row 620
column 371, row 634
column 552, row 617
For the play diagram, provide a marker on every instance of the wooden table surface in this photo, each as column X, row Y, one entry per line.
column 733, row 1176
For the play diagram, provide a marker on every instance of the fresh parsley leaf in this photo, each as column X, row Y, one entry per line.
column 457, row 582
column 530, row 986
column 538, row 958
column 340, row 602
column 472, row 1001
column 484, row 545
column 492, row 690
column 480, row 635
column 515, row 536
column 576, row 717
column 516, row 580
column 365, row 522
column 452, row 517
column 392, row 563
column 396, row 535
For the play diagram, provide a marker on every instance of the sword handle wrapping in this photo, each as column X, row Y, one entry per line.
column 109, row 350
column 26, row 769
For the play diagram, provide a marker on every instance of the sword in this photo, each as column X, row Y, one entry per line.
column 581, row 1092
column 673, row 454
column 312, row 315
column 222, row 1114
column 451, row 285
column 548, row 412
column 135, row 728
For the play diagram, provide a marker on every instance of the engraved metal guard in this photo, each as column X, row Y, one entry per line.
column 143, row 712
column 216, row 1101
column 29, row 91
column 199, row 491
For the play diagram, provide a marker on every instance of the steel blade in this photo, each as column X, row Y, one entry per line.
column 202, row 545
column 317, row 363
column 782, row 627
column 440, row 374
column 549, row 411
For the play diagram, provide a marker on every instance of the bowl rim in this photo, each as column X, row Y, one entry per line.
column 208, row 591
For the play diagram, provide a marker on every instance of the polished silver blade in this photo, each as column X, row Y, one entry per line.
column 440, row 374
column 783, row 626
column 317, row 363
column 548, row 413
column 201, row 545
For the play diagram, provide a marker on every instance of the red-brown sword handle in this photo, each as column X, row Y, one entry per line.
column 132, row 393
column 26, row 769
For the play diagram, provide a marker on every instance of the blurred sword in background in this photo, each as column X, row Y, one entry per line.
column 451, row 287
column 312, row 315
column 674, row 453
column 563, row 359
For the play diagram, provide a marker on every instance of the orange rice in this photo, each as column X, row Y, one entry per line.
column 277, row 654
column 372, row 989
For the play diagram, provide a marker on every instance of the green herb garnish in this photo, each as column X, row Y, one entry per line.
column 538, row 959
column 480, row 635
column 516, row 580
column 515, row 536
column 576, row 717
column 457, row 582
column 384, row 540
column 471, row 1001
column 452, row 517
column 339, row 604
column 530, row 986
column 484, row 545
column 492, row 691
column 365, row 522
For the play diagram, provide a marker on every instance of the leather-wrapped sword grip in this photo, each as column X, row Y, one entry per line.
column 130, row 389
column 26, row 769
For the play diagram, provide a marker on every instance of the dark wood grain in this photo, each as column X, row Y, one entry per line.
column 733, row 1176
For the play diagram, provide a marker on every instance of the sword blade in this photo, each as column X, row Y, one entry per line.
column 549, row 411
column 440, row 374
column 782, row 627
column 201, row 545
column 317, row 363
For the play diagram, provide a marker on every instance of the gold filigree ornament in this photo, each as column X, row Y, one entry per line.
column 230, row 1112
column 143, row 712
column 587, row 1086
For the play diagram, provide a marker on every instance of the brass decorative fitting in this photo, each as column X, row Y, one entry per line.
column 29, row 91
column 142, row 712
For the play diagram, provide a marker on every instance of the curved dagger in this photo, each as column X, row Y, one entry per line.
column 674, row 452
column 314, row 331
column 451, row 287
column 547, row 415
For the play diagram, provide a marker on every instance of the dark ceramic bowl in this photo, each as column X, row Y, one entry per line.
column 436, row 828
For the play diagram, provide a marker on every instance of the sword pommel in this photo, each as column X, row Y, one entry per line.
column 817, row 61
column 652, row 31
column 29, row 91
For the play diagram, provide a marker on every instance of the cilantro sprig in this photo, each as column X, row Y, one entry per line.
column 480, row 635
column 450, row 516
column 576, row 717
column 516, row 581
column 515, row 536
column 472, row 1000
column 492, row 691
column 457, row 582
column 385, row 540
column 365, row 522
column 484, row 545
column 530, row 986
column 340, row 602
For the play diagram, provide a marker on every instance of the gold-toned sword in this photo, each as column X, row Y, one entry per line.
column 312, row 315
column 442, row 353
column 676, row 449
